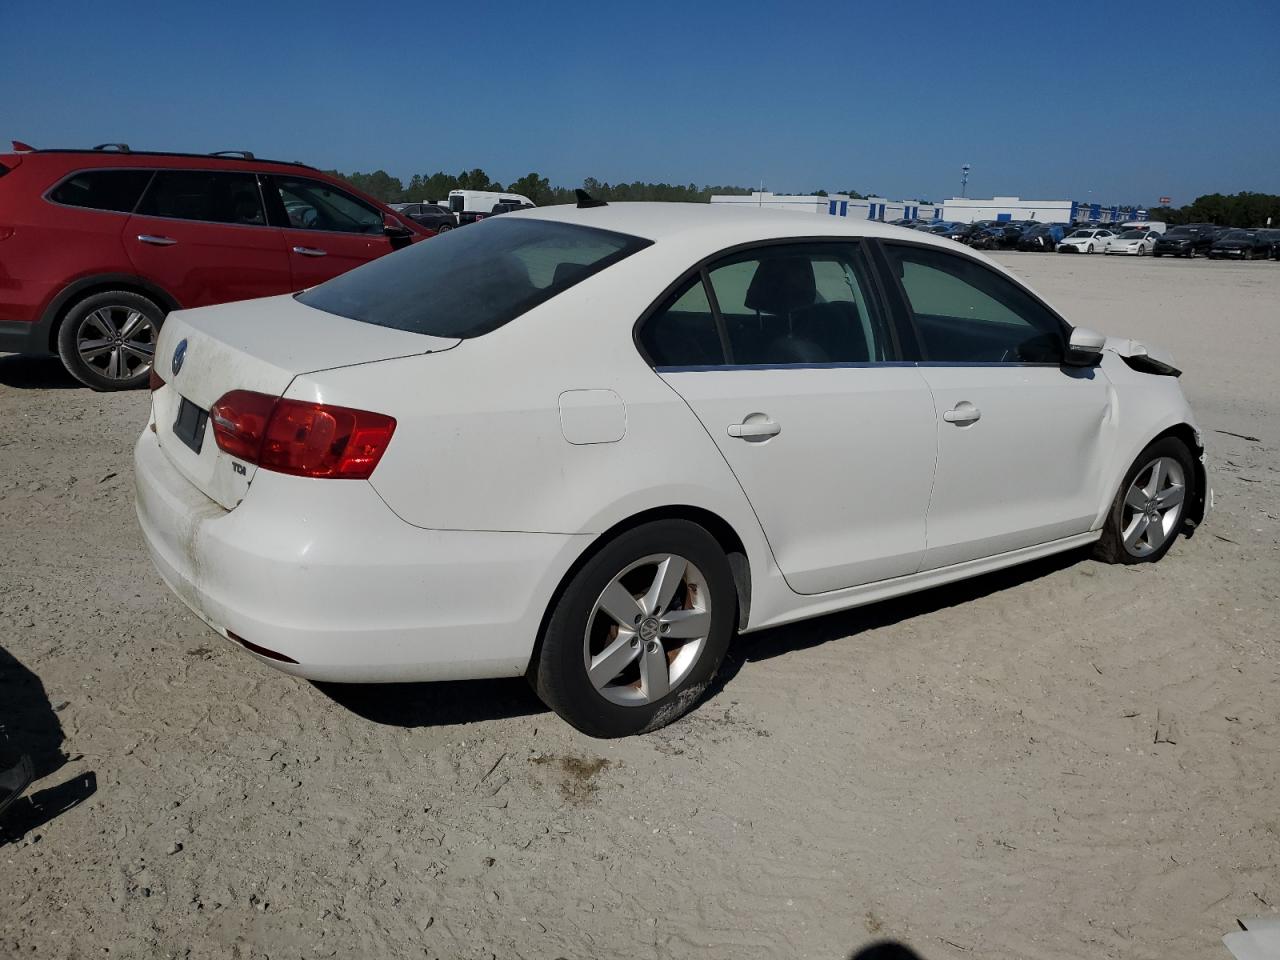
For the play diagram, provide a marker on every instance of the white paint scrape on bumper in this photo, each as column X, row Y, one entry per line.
column 323, row 573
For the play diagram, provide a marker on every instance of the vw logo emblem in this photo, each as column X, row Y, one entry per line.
column 179, row 356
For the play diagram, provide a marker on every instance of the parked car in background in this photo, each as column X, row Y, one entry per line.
column 1086, row 240
column 1136, row 243
column 1154, row 226
column 1239, row 244
column 1185, row 241
column 1272, row 238
column 281, row 478
column 1001, row 236
column 472, row 205
column 98, row 246
column 1043, row 237
column 433, row 216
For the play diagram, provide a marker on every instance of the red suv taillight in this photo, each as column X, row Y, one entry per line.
column 302, row 439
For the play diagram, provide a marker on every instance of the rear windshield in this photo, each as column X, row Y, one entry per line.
column 465, row 283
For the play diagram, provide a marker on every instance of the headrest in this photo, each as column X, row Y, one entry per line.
column 781, row 285
column 567, row 273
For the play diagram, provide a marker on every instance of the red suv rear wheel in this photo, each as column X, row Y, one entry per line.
column 107, row 341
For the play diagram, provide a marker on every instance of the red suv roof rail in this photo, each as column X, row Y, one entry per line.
column 124, row 148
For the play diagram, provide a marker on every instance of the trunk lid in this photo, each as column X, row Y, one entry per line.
column 258, row 345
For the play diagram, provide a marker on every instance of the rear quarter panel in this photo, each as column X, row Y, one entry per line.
column 479, row 443
column 51, row 245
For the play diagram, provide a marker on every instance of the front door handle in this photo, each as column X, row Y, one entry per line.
column 755, row 429
column 963, row 414
column 156, row 241
column 311, row 251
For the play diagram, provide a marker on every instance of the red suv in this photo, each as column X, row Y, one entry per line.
column 97, row 246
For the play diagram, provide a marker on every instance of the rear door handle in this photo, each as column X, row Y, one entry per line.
column 311, row 251
column 156, row 241
column 963, row 413
column 755, row 429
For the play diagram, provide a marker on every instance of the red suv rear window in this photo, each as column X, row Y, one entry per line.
column 117, row 189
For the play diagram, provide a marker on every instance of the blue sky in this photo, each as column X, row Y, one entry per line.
column 1040, row 98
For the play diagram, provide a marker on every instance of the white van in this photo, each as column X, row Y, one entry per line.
column 1152, row 226
column 471, row 205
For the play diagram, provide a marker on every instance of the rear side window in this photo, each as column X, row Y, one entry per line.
column 783, row 304
column 116, row 190
column 211, row 196
column 466, row 283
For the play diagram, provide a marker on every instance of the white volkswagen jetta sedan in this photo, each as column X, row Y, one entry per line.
column 590, row 444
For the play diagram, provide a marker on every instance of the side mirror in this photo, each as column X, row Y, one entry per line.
column 1085, row 347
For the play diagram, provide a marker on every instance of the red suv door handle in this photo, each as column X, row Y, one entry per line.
column 156, row 241
column 311, row 251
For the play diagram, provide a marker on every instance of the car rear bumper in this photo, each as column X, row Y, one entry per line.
column 320, row 579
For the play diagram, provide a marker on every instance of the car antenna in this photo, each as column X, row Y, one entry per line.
column 586, row 201
column 20, row 147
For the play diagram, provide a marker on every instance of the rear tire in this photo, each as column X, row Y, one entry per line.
column 639, row 631
column 1150, row 507
column 107, row 340
column 444, row 228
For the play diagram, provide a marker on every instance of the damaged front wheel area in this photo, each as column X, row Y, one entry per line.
column 639, row 631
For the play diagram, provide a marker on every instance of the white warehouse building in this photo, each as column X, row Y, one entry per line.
column 956, row 209
column 837, row 205
column 969, row 209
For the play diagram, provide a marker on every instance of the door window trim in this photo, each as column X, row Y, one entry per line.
column 903, row 314
column 701, row 269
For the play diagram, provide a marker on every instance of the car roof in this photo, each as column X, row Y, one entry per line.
column 721, row 223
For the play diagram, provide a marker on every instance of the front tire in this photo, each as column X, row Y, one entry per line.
column 1151, row 505
column 107, row 341
column 639, row 631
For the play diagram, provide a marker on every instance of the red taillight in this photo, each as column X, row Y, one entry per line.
column 239, row 421
column 302, row 439
column 154, row 380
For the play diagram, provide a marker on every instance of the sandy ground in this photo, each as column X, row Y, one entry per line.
column 972, row 771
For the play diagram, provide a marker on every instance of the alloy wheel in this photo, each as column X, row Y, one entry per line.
column 118, row 342
column 1153, row 506
column 647, row 630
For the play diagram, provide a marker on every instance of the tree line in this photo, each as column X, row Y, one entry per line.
column 436, row 186
column 1235, row 210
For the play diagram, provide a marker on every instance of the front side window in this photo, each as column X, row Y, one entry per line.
column 775, row 305
column 116, row 190
column 314, row 205
column 211, row 196
column 465, row 283
column 964, row 312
